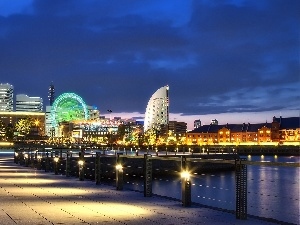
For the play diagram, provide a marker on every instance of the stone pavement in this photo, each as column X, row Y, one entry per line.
column 30, row 196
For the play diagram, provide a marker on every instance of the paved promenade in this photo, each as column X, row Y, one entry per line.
column 29, row 196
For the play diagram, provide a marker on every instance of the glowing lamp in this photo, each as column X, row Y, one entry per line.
column 26, row 156
column 16, row 154
column 185, row 175
column 119, row 167
column 56, row 159
column 80, row 162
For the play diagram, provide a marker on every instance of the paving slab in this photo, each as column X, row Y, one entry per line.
column 30, row 196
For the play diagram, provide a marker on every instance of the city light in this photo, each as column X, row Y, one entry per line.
column 185, row 175
column 119, row 167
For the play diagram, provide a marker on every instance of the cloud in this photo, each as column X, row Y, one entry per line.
column 217, row 57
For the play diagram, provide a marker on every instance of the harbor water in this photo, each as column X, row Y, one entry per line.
column 273, row 191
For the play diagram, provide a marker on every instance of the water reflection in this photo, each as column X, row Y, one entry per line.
column 273, row 192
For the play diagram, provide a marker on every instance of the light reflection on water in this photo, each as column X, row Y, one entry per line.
column 273, row 192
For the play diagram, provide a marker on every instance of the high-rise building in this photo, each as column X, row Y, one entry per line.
column 25, row 103
column 51, row 94
column 6, row 98
column 157, row 111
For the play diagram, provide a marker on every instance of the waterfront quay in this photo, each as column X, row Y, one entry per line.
column 32, row 196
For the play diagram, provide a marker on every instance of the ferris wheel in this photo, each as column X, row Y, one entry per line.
column 68, row 107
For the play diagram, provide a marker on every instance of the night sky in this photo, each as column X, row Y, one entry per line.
column 234, row 61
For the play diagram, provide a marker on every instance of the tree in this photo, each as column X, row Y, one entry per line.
column 150, row 136
column 23, row 126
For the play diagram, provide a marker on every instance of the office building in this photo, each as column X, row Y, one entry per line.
column 24, row 103
column 6, row 98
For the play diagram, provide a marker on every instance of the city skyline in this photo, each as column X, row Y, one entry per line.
column 235, row 61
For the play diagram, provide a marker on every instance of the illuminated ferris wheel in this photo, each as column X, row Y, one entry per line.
column 68, row 107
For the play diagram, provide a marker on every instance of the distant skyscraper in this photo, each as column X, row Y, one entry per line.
column 28, row 104
column 6, row 98
column 51, row 94
column 157, row 111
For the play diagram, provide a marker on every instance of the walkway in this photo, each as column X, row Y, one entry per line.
column 29, row 196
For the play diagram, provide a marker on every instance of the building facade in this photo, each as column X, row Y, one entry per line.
column 6, row 98
column 157, row 111
column 284, row 131
column 36, row 125
column 24, row 103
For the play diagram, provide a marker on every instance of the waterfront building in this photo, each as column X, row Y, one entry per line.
column 6, row 97
column 287, row 130
column 157, row 111
column 280, row 131
column 24, row 103
column 92, row 131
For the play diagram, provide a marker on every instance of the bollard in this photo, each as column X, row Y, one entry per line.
column 119, row 173
column 81, row 165
column 98, row 168
column 119, row 177
column 16, row 157
column 147, row 176
column 68, row 164
column 55, row 165
column 81, row 169
column 47, row 162
column 186, row 191
column 39, row 165
column 26, row 159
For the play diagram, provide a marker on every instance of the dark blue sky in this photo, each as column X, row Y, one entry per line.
column 221, row 59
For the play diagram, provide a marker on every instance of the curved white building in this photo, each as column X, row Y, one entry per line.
column 157, row 111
